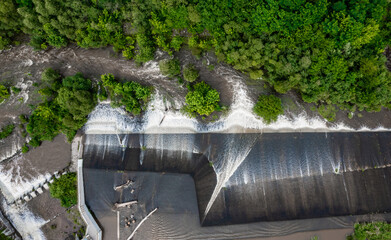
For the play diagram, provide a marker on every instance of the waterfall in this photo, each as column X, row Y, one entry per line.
column 227, row 162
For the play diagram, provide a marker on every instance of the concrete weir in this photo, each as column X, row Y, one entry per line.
column 237, row 179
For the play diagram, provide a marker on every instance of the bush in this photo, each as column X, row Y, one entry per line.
column 72, row 99
column 130, row 94
column 170, row 67
column 65, row 189
column 328, row 112
column 25, row 148
column 23, row 119
column 51, row 78
column 371, row 231
column 202, row 100
column 4, row 93
column 6, row 131
column 16, row 90
column 3, row 236
column 269, row 107
column 190, row 74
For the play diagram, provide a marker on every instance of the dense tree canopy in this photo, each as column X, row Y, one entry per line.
column 268, row 107
column 68, row 102
column 65, row 189
column 131, row 94
column 328, row 51
column 202, row 100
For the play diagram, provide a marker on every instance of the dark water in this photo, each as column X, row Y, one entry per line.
column 242, row 178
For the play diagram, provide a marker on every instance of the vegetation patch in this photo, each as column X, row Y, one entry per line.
column 6, row 131
column 4, row 237
column 371, row 231
column 67, row 103
column 131, row 94
column 65, row 189
column 170, row 67
column 190, row 74
column 4, row 93
column 202, row 100
column 330, row 52
column 269, row 107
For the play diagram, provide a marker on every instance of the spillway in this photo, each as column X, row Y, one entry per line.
column 244, row 178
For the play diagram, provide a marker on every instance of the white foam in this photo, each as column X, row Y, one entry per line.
column 163, row 117
column 14, row 185
column 25, row 222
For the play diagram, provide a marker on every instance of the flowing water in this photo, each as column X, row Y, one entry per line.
column 243, row 178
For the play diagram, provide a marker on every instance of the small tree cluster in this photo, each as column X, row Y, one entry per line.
column 190, row 74
column 170, row 67
column 202, row 100
column 269, row 107
column 6, row 131
column 68, row 102
column 371, row 231
column 65, row 189
column 131, row 94
column 4, row 93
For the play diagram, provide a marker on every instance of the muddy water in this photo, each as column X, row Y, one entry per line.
column 243, row 178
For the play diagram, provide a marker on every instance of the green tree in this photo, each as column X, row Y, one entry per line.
column 65, row 189
column 4, row 93
column 190, row 74
column 269, row 107
column 371, row 231
column 6, row 131
column 170, row 67
column 202, row 99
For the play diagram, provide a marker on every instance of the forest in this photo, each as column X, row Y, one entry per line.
column 329, row 52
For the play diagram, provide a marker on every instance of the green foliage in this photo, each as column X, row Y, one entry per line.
column 3, row 236
column 190, row 74
column 131, row 94
column 65, row 189
column 66, row 110
column 16, row 90
column 23, row 119
column 269, row 107
column 4, row 93
column 25, row 148
column 51, row 78
column 330, row 52
column 170, row 67
column 202, row 100
column 328, row 112
column 371, row 231
column 6, row 131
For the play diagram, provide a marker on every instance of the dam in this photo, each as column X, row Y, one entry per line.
column 224, row 186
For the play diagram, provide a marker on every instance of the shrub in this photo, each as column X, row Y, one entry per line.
column 269, row 107
column 190, row 74
column 65, row 189
column 23, row 119
column 202, row 100
column 170, row 67
column 16, row 90
column 328, row 112
column 371, row 231
column 51, row 78
column 4, row 93
column 130, row 94
column 6, row 131
column 25, row 148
